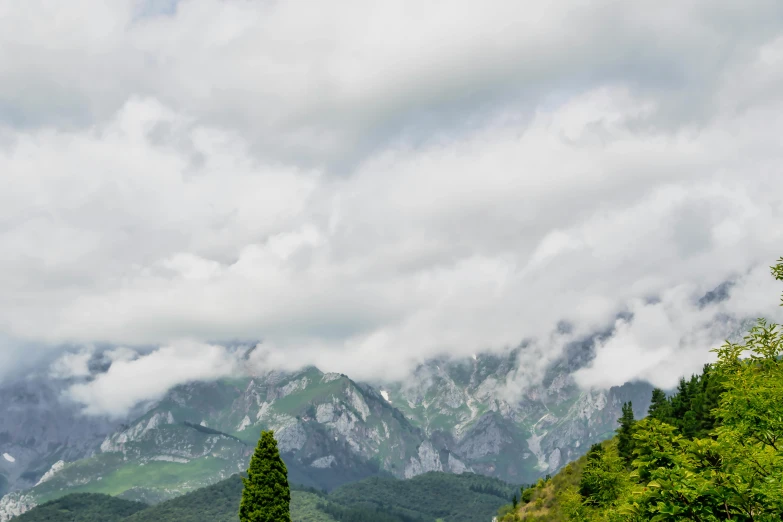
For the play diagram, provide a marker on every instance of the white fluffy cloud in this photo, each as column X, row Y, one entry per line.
column 72, row 365
column 130, row 381
column 366, row 184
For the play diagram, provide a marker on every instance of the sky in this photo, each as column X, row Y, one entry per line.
column 364, row 185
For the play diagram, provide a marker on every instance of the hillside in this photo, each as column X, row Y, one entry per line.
column 83, row 507
column 435, row 495
column 709, row 452
column 451, row 416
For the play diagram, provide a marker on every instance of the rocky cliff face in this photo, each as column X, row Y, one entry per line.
column 38, row 429
column 470, row 407
column 451, row 416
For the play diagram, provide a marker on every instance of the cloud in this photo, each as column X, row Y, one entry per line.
column 314, row 82
column 129, row 382
column 663, row 340
column 70, row 365
column 364, row 188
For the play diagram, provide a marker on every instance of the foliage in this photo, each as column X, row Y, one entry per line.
column 543, row 500
column 83, row 507
column 527, row 495
column 625, row 441
column 692, row 408
column 604, row 477
column 266, row 496
column 472, row 497
column 217, row 503
column 713, row 451
column 660, row 408
column 454, row 498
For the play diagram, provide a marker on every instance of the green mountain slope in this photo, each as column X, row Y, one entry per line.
column 329, row 429
column 83, row 507
column 448, row 497
column 434, row 495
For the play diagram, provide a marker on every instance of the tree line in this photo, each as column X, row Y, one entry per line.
column 712, row 451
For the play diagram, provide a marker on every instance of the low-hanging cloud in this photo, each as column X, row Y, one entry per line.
column 362, row 200
column 132, row 379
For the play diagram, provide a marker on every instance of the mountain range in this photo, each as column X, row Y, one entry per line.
column 452, row 415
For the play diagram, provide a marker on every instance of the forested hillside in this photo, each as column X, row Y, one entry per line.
column 425, row 498
column 83, row 507
column 712, row 451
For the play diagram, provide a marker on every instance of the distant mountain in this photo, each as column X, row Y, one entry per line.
column 442, row 496
column 449, row 416
column 463, row 408
column 38, row 429
column 83, row 507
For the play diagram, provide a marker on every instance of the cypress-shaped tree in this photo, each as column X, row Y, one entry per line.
column 625, row 442
column 266, row 496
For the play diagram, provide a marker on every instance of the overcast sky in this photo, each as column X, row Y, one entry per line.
column 363, row 184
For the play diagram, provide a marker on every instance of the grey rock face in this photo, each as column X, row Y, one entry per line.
column 487, row 416
column 14, row 504
column 457, row 416
column 39, row 428
column 486, row 437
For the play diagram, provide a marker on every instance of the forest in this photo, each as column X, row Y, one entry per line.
column 425, row 498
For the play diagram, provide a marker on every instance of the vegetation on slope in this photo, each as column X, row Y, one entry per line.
column 452, row 498
column 83, row 507
column 711, row 452
column 456, row 498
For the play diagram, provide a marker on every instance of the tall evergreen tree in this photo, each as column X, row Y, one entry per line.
column 681, row 401
column 625, row 442
column 266, row 496
column 659, row 406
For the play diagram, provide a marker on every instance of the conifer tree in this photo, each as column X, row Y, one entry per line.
column 681, row 401
column 659, row 406
column 625, row 442
column 266, row 496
